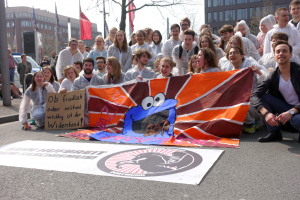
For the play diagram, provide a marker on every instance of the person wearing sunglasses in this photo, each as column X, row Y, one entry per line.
column 67, row 57
column 185, row 24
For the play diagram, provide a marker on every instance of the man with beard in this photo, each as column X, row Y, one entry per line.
column 88, row 78
column 140, row 71
column 279, row 93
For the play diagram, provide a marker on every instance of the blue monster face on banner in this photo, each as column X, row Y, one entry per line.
column 155, row 116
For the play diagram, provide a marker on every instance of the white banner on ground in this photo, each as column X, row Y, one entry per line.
column 167, row 164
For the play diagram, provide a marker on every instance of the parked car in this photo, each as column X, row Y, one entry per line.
column 35, row 67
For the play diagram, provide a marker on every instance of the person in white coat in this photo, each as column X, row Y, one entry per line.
column 81, row 47
column 140, row 35
column 114, row 73
column 282, row 16
column 216, row 39
column 185, row 24
column 120, row 50
column 99, row 50
column 206, row 42
column 71, row 73
column 265, row 25
column 156, row 41
column 244, row 29
column 34, row 100
column 169, row 45
column 110, row 38
column 182, row 53
column 295, row 12
column 67, row 57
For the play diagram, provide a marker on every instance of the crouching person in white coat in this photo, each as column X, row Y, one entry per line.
column 35, row 101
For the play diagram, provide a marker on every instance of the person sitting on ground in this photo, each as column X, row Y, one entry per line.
column 206, row 42
column 207, row 61
column 71, row 73
column 101, row 62
column 67, row 57
column 120, row 50
column 156, row 41
column 279, row 93
column 215, row 38
column 192, row 67
column 237, row 60
column 99, row 49
column 142, row 45
column 268, row 59
column 265, row 25
column 226, row 33
column 45, row 62
column 23, row 68
column 140, row 72
column 114, row 73
column 36, row 95
column 48, row 77
column 244, row 29
column 15, row 92
column 166, row 67
column 182, row 53
column 169, row 45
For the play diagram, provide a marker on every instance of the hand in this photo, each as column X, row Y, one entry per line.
column 44, row 84
column 190, row 73
column 63, row 90
column 139, row 78
column 255, row 69
column 260, row 51
column 284, row 117
column 271, row 119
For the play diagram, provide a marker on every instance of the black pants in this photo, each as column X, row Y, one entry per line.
column 54, row 73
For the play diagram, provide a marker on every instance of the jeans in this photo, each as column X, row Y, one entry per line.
column 12, row 75
column 275, row 105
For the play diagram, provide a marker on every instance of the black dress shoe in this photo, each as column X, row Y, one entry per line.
column 273, row 136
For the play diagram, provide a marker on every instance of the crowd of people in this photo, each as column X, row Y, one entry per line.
column 273, row 56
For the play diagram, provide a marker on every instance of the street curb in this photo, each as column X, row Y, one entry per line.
column 11, row 118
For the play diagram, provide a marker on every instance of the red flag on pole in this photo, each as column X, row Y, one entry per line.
column 86, row 26
column 131, row 14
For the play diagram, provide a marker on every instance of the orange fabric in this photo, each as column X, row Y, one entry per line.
column 158, row 85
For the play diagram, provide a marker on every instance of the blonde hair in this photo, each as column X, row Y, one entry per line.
column 239, row 43
column 117, row 70
column 168, row 60
column 113, row 28
column 99, row 36
column 70, row 67
column 190, row 67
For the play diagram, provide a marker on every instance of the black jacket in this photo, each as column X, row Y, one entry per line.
column 271, row 85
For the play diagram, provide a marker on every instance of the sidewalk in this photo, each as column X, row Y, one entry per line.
column 10, row 113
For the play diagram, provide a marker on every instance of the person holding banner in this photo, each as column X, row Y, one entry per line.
column 166, row 67
column 48, row 74
column 140, row 71
column 36, row 95
column 71, row 73
column 120, row 50
column 114, row 73
column 99, row 50
column 207, row 61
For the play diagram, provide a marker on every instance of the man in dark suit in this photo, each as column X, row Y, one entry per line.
column 24, row 68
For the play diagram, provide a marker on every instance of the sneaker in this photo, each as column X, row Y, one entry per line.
column 19, row 97
column 251, row 128
column 32, row 122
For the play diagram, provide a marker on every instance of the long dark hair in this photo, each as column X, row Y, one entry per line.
column 159, row 35
column 33, row 83
column 124, row 45
column 210, row 42
column 52, row 77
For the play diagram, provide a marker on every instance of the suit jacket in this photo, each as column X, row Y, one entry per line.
column 21, row 70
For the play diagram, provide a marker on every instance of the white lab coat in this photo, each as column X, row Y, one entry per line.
column 123, row 57
column 168, row 47
column 248, row 35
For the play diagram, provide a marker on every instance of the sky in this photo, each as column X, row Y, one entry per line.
column 146, row 17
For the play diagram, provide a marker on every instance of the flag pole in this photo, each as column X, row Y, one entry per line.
column 79, row 22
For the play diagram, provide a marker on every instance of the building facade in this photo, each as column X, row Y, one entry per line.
column 46, row 23
column 220, row 12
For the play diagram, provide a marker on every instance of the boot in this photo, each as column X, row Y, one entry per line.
column 273, row 136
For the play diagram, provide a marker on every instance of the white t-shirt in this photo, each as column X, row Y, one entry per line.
column 66, row 84
column 288, row 92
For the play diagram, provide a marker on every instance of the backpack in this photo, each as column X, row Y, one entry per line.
column 196, row 50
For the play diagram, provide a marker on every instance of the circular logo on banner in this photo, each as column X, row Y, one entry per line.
column 149, row 162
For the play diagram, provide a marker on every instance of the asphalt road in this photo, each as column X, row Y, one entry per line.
column 255, row 171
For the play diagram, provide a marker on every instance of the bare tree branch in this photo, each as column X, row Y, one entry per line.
column 117, row 3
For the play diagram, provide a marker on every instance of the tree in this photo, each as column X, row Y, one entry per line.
column 149, row 3
column 257, row 16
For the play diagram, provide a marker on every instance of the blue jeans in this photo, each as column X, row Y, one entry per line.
column 275, row 105
column 12, row 75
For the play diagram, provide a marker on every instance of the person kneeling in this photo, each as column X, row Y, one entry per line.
column 36, row 94
column 279, row 93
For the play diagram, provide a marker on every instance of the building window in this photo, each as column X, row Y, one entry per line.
column 23, row 23
column 8, row 34
column 215, row 16
column 50, row 27
column 286, row 6
column 215, row 30
column 241, row 1
column 24, row 14
column 42, row 26
column 229, row 2
column 241, row 14
column 208, row 3
column 38, row 25
column 7, row 24
column 220, row 16
column 253, row 1
column 28, row 23
column 7, row 15
column 277, row 6
column 217, row 3
column 11, row 15
column 229, row 15
column 209, row 18
column 46, row 26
